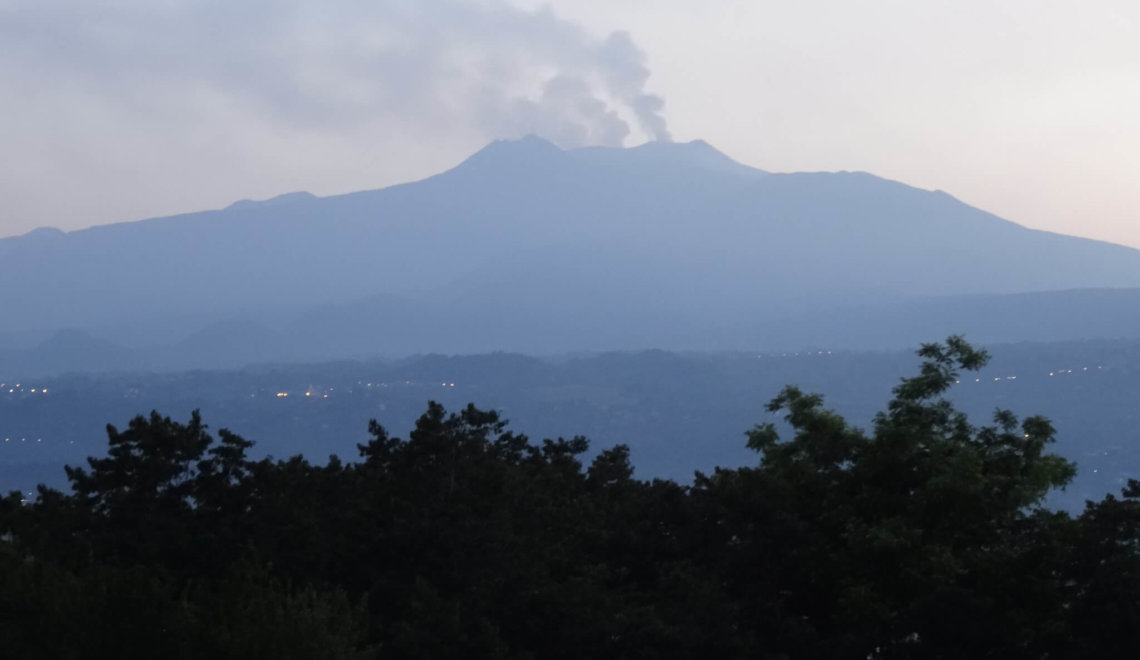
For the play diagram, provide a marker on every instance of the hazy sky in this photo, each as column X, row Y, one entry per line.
column 125, row 109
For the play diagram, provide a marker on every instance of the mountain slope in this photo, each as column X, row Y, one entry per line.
column 599, row 246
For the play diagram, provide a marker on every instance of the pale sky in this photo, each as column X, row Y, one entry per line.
column 115, row 110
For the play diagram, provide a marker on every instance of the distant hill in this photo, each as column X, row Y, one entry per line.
column 677, row 412
column 528, row 247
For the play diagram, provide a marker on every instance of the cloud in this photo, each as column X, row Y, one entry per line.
column 430, row 65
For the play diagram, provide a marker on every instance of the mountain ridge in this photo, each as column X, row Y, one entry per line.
column 589, row 239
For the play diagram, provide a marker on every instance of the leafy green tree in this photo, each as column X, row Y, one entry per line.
column 102, row 610
column 842, row 543
column 1103, row 576
column 923, row 536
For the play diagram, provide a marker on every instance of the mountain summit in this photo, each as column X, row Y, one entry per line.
column 526, row 246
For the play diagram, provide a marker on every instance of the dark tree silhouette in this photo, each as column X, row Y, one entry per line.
column 923, row 536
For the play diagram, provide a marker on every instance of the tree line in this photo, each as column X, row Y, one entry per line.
column 923, row 536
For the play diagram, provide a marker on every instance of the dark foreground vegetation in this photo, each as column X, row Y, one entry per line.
column 922, row 538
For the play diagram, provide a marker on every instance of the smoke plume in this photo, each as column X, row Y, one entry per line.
column 494, row 68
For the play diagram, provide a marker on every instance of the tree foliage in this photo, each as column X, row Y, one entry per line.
column 923, row 536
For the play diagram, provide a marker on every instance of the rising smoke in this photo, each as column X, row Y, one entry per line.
column 499, row 70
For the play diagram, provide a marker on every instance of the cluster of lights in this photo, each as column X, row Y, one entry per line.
column 761, row 356
column 17, row 387
column 318, row 393
column 1058, row 372
column 1069, row 371
column 310, row 393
